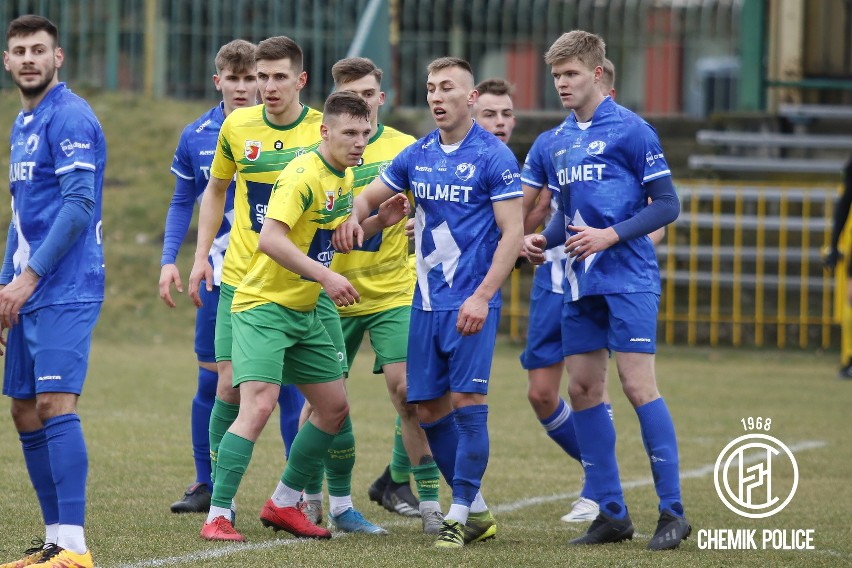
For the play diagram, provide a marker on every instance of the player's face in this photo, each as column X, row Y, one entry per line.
column 279, row 85
column 368, row 88
column 238, row 89
column 33, row 60
column 344, row 138
column 450, row 95
column 577, row 85
column 496, row 114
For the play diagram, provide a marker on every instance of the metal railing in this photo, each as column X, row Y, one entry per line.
column 742, row 265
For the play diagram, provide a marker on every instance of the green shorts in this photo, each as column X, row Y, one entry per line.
column 327, row 312
column 388, row 335
column 224, row 334
column 277, row 345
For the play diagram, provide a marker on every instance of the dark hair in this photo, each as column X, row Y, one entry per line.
column 352, row 69
column 346, row 102
column 237, row 55
column 498, row 87
column 280, row 47
column 30, row 24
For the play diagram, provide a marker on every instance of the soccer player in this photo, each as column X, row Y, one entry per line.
column 607, row 163
column 380, row 272
column 494, row 109
column 254, row 143
column 468, row 232
column 542, row 357
column 235, row 78
column 52, row 282
column 278, row 336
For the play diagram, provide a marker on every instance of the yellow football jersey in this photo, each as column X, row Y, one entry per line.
column 312, row 198
column 256, row 151
column 379, row 270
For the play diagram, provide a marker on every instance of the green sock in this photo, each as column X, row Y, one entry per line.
column 306, row 455
column 234, row 457
column 400, row 465
column 221, row 418
column 426, row 477
column 339, row 461
column 314, row 486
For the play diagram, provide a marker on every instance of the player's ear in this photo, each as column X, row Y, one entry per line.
column 324, row 131
column 58, row 57
column 217, row 82
column 472, row 97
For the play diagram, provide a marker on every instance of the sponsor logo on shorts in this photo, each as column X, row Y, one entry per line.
column 50, row 378
column 480, row 380
column 640, row 340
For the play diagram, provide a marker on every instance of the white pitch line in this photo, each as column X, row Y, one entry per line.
column 689, row 474
column 228, row 550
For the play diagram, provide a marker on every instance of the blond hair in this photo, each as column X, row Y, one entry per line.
column 586, row 47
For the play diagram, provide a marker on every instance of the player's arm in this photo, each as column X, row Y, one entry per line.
column 276, row 244
column 663, row 209
column 8, row 270
column 177, row 224
column 77, row 189
column 536, row 207
column 209, row 220
column 350, row 233
column 391, row 212
column 508, row 213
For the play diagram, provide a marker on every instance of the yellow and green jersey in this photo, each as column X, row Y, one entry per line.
column 312, row 198
column 379, row 270
column 256, row 150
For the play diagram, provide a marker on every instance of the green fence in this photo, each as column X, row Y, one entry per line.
column 672, row 57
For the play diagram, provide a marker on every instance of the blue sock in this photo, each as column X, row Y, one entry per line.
column 658, row 435
column 596, row 435
column 290, row 401
column 202, row 405
column 472, row 453
column 69, row 463
column 443, row 437
column 560, row 427
column 37, row 458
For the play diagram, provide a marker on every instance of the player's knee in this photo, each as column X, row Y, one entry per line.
column 24, row 415
column 541, row 399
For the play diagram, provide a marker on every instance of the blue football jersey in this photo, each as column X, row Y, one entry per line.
column 191, row 162
column 60, row 135
column 551, row 274
column 601, row 172
column 456, row 233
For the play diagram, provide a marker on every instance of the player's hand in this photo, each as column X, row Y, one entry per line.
column 201, row 270
column 533, row 249
column 169, row 274
column 340, row 290
column 14, row 295
column 409, row 229
column 589, row 240
column 394, row 210
column 472, row 315
column 830, row 259
column 2, row 340
column 347, row 235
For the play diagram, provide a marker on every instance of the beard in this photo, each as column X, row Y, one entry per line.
column 33, row 91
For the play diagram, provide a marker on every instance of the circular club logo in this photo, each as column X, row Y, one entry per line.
column 752, row 471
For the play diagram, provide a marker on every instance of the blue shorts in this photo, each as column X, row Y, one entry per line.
column 205, row 325
column 440, row 359
column 48, row 351
column 618, row 322
column 544, row 330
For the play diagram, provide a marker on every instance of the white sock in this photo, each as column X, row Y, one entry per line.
column 478, row 505
column 218, row 512
column 313, row 497
column 458, row 513
column 71, row 537
column 51, row 533
column 283, row 496
column 338, row 505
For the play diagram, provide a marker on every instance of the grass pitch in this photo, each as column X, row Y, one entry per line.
column 135, row 415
